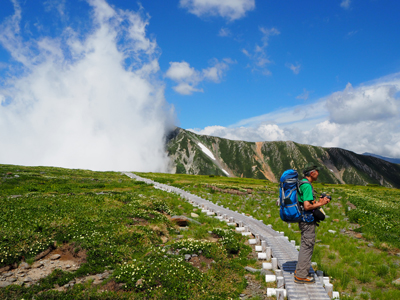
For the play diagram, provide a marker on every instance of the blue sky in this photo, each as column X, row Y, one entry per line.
column 322, row 73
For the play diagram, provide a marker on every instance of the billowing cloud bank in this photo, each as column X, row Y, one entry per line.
column 86, row 102
column 362, row 119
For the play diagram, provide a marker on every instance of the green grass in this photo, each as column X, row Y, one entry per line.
column 121, row 224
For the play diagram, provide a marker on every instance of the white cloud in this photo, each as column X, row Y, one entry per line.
column 88, row 102
column 295, row 68
column 304, row 95
column 351, row 33
column 58, row 5
column 224, row 32
column 188, row 78
column 362, row 119
column 259, row 55
column 345, row 4
column 228, row 9
column 180, row 71
column 263, row 132
column 370, row 103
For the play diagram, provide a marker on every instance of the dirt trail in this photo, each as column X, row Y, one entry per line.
column 266, row 170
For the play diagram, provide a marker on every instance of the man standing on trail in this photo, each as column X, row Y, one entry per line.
column 307, row 199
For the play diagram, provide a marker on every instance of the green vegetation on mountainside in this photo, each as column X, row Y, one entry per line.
column 270, row 159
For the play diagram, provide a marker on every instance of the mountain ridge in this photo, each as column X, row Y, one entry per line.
column 389, row 159
column 268, row 160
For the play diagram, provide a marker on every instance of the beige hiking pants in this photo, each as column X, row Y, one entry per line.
column 306, row 248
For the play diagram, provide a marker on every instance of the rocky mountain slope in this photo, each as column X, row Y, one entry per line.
column 191, row 153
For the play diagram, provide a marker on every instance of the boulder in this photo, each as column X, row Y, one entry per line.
column 180, row 220
column 24, row 265
column 252, row 270
column 37, row 264
column 55, row 256
column 4, row 284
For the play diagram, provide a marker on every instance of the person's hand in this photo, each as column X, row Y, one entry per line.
column 324, row 200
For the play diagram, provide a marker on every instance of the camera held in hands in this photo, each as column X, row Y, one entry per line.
column 323, row 195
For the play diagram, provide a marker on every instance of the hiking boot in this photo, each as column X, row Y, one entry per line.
column 308, row 275
column 307, row 280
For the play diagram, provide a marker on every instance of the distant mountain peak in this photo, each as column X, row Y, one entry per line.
column 191, row 153
column 389, row 159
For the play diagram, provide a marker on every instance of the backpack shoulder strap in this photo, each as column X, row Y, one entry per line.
column 301, row 182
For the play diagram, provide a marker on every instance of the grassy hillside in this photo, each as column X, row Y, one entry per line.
column 107, row 223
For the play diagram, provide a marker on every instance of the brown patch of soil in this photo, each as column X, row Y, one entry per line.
column 351, row 205
column 66, row 258
column 266, row 170
column 71, row 253
column 140, row 221
column 254, row 289
column 201, row 262
column 112, row 286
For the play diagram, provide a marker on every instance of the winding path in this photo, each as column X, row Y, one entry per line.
column 282, row 249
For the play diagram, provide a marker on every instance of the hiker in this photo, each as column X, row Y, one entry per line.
column 307, row 199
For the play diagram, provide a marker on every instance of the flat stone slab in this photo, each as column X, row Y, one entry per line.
column 267, row 266
column 262, row 255
column 270, row 278
column 272, row 292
